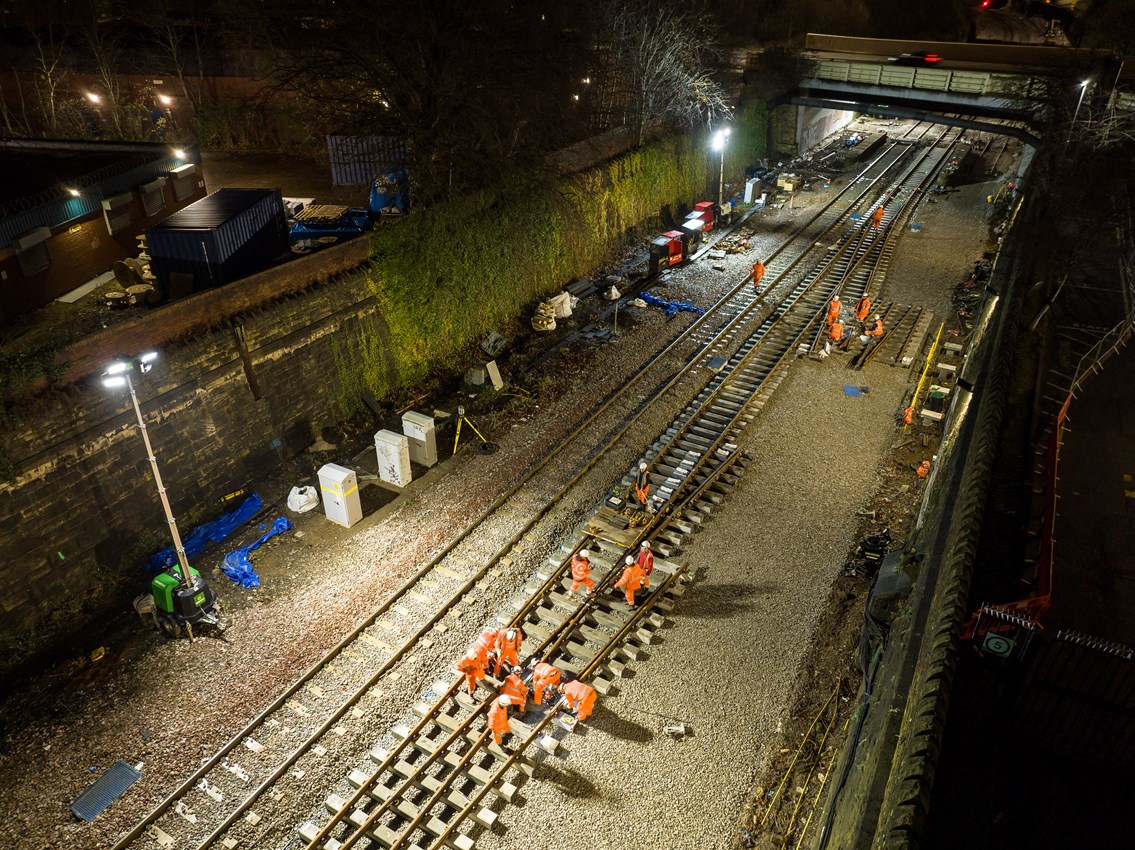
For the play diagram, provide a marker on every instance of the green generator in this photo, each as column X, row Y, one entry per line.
column 179, row 606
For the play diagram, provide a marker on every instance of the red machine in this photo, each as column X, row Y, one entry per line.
column 691, row 231
column 707, row 211
column 668, row 250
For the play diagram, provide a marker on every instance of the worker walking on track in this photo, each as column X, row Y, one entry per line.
column 862, row 308
column 473, row 666
column 632, row 579
column 544, row 676
column 498, row 718
column 581, row 572
column 834, row 311
column 580, row 698
column 508, row 648
column 642, row 484
column 758, row 273
column 877, row 217
column 876, row 329
column 645, row 558
column 514, row 688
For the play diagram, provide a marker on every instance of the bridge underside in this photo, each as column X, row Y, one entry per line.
column 939, row 107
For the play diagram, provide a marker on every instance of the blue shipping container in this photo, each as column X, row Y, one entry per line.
column 224, row 236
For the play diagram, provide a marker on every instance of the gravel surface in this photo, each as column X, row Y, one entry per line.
column 764, row 568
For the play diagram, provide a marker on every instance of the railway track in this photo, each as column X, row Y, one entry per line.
column 693, row 465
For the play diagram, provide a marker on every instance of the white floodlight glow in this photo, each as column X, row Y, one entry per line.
column 165, row 99
column 179, row 153
column 114, row 381
column 94, row 98
column 1085, row 84
column 118, row 367
column 148, row 357
column 74, row 193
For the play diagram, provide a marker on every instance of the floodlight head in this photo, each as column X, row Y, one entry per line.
column 117, row 367
column 113, row 381
column 146, row 360
column 73, row 192
column 179, row 153
column 1084, row 84
column 165, row 99
column 719, row 140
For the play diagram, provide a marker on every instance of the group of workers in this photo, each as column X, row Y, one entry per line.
column 636, row 572
column 837, row 332
column 501, row 648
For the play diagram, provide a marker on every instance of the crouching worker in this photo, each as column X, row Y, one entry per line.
column 580, row 698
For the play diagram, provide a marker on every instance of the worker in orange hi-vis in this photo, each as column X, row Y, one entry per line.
column 876, row 329
column 580, row 698
column 642, row 483
column 645, row 558
column 758, row 273
column 908, row 415
column 631, row 579
column 544, row 676
column 836, row 331
column 486, row 644
column 581, row 572
column 498, row 718
column 924, row 469
column 473, row 666
column 514, row 688
column 834, row 310
column 862, row 308
column 877, row 217
column 508, row 647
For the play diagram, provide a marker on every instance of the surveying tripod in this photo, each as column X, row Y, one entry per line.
column 463, row 419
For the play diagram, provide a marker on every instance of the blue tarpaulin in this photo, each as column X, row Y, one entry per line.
column 217, row 530
column 238, row 566
column 671, row 307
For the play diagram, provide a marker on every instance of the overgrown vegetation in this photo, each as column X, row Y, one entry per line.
column 451, row 273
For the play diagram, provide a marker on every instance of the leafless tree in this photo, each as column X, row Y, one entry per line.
column 105, row 51
column 52, row 69
column 181, row 42
column 655, row 63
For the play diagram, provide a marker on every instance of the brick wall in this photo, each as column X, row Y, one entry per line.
column 82, row 496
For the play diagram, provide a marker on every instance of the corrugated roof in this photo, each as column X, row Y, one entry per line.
column 214, row 210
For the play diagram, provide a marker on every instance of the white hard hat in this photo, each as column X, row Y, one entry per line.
column 504, row 701
column 642, row 464
column 876, row 317
column 835, row 298
column 645, row 544
column 629, row 559
column 583, row 553
column 510, row 634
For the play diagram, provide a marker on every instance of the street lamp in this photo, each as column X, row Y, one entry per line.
column 117, row 374
column 718, row 144
column 1083, row 88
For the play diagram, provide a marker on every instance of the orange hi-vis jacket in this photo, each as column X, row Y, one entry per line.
column 515, row 689
column 498, row 720
column 544, row 676
column 836, row 331
column 580, row 698
column 877, row 216
column 487, row 642
column 631, row 580
column 581, row 574
column 758, row 272
column 510, row 649
column 473, row 668
column 645, row 562
column 833, row 312
column 580, row 568
column 862, row 308
column 876, row 329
